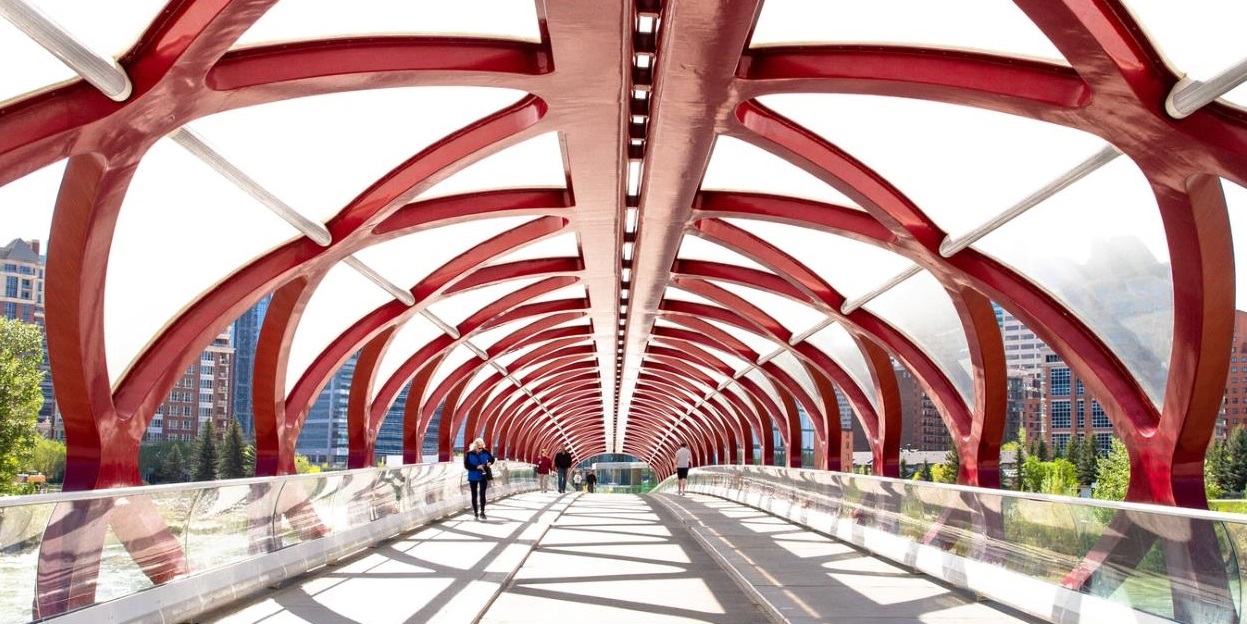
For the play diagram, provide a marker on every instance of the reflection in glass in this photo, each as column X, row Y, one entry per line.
column 1112, row 270
column 836, row 342
column 1177, row 564
column 921, row 308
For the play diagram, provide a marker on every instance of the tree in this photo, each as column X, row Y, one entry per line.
column 173, row 468
column 206, row 456
column 48, row 457
column 1236, row 469
column 152, row 459
column 925, row 473
column 233, row 462
column 1041, row 450
column 21, row 353
column 1088, row 461
column 1061, row 477
column 1113, row 475
column 952, row 465
column 1033, row 474
column 1019, row 460
column 1073, row 450
column 1216, row 466
column 303, row 465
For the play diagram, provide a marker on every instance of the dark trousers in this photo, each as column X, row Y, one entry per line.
column 562, row 479
column 482, row 485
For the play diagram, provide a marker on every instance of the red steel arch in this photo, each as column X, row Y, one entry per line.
column 604, row 369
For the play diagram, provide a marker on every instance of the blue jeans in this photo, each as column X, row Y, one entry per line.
column 562, row 479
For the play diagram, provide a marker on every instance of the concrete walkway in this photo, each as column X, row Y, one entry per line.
column 612, row 558
column 803, row 577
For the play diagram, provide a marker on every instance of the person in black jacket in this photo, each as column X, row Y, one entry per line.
column 562, row 463
column 477, row 462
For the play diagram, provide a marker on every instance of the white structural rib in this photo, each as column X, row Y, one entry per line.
column 398, row 292
column 951, row 246
column 101, row 71
column 195, row 144
column 1190, row 95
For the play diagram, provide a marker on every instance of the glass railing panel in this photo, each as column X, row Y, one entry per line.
column 21, row 533
column 143, row 544
column 1178, row 564
column 221, row 530
column 62, row 552
column 304, row 509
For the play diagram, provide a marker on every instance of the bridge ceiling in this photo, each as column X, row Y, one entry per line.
column 622, row 225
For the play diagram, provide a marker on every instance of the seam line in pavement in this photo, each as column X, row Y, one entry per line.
column 698, row 530
column 532, row 545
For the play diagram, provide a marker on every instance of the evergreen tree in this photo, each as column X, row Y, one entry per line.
column 1217, row 465
column 925, row 472
column 248, row 455
column 173, row 467
column 1113, row 475
column 1236, row 472
column 233, row 462
column 1020, row 452
column 1073, row 450
column 21, row 352
column 952, row 464
column 1041, row 450
column 1212, row 482
column 1088, row 461
column 206, row 455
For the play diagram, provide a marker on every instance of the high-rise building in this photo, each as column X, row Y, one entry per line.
column 390, row 435
column 21, row 271
column 323, row 439
column 1070, row 412
column 203, row 392
column 1024, row 411
column 246, row 337
column 1023, row 350
column 1234, row 406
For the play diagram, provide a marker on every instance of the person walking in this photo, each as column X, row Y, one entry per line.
column 576, row 480
column 478, row 462
column 683, row 460
column 591, row 480
column 562, row 463
column 544, row 463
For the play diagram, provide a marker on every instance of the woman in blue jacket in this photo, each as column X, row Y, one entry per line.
column 477, row 461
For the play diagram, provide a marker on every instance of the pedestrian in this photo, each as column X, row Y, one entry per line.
column 591, row 480
column 576, row 480
column 478, row 461
column 544, row 463
column 562, row 463
column 683, row 460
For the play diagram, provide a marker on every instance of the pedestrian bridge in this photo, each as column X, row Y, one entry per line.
column 744, row 545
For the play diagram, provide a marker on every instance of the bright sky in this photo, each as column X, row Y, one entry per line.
column 932, row 152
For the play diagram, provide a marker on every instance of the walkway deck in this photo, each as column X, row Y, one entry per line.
column 613, row 558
